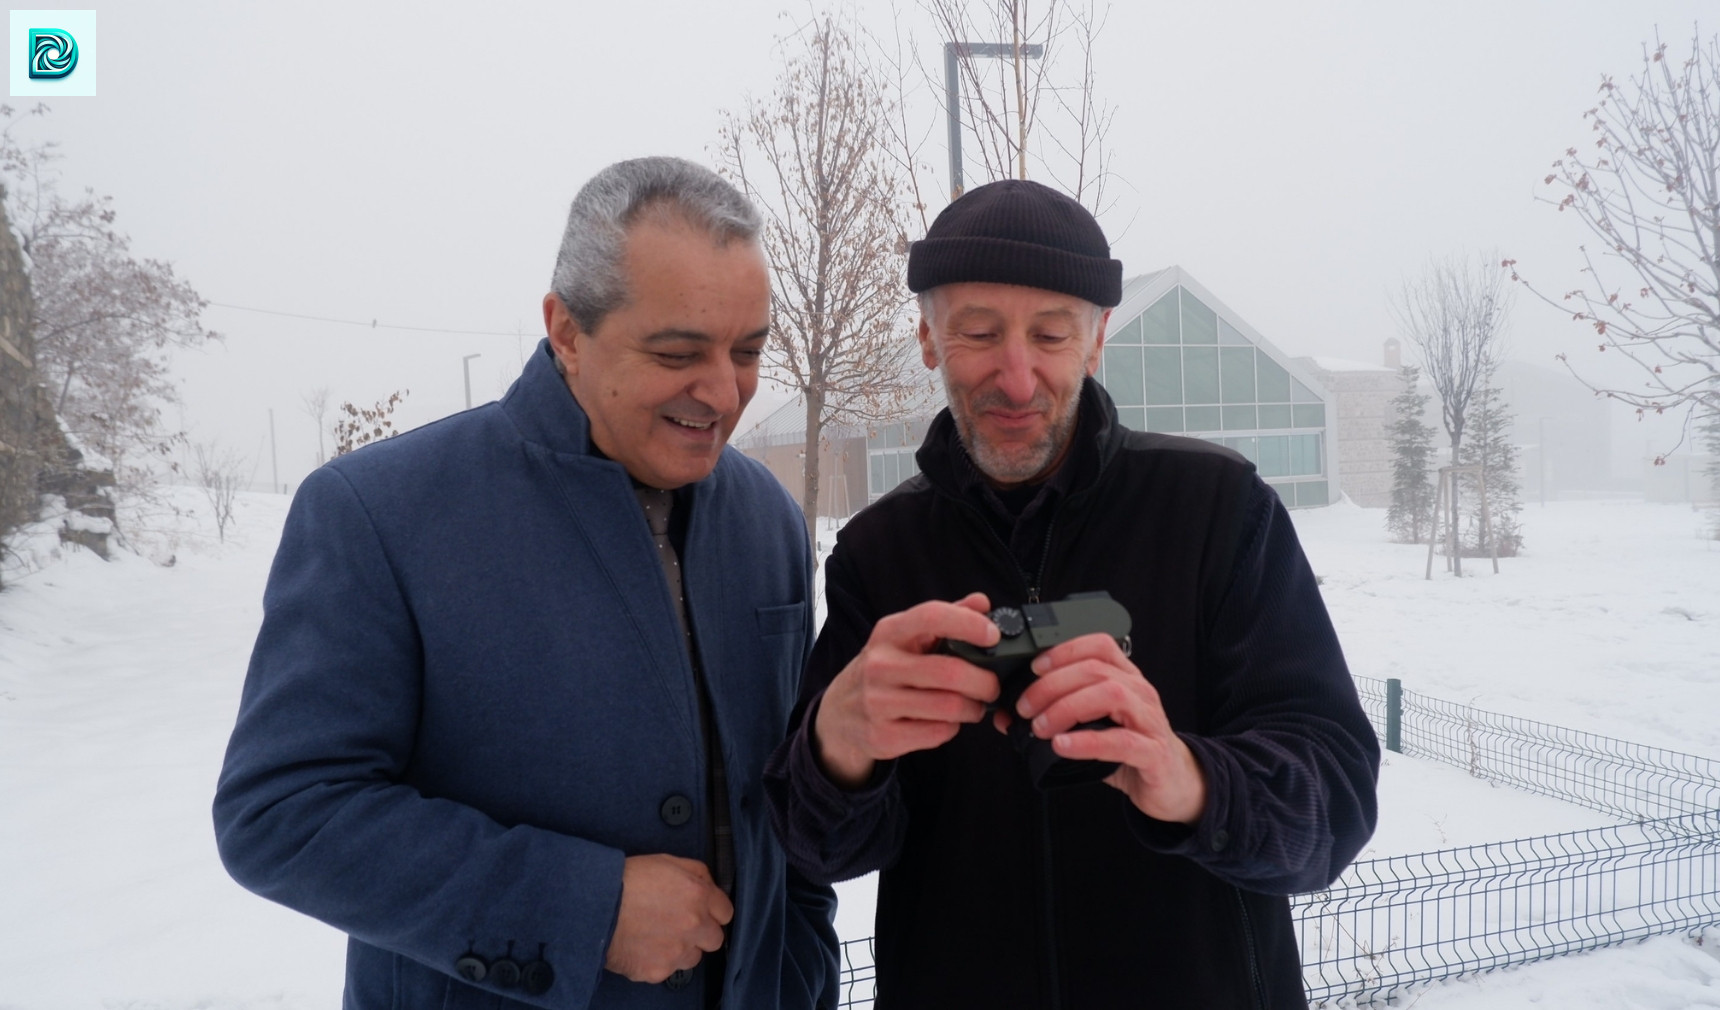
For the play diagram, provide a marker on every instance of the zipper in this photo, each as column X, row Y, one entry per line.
column 1044, row 558
column 1248, row 945
column 1034, row 584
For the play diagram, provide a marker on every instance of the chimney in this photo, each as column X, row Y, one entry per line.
column 1394, row 354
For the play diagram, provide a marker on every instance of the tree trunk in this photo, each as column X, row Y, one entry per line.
column 1451, row 530
column 809, row 468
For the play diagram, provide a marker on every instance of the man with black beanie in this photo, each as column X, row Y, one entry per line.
column 1124, row 831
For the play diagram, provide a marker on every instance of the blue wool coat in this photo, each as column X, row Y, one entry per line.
column 470, row 701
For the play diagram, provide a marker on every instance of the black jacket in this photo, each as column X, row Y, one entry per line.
column 995, row 895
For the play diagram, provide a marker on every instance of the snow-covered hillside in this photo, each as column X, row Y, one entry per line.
column 119, row 681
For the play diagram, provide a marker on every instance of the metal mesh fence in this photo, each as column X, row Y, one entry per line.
column 858, row 974
column 1391, row 923
column 1631, row 781
column 1388, row 924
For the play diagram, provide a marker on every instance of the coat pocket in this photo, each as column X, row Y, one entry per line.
column 783, row 620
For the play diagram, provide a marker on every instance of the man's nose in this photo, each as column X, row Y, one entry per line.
column 718, row 386
column 1015, row 377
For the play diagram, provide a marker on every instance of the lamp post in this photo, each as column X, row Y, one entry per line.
column 274, row 463
column 1543, row 461
column 953, row 52
column 466, row 367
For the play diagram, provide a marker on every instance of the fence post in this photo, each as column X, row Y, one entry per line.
column 1394, row 715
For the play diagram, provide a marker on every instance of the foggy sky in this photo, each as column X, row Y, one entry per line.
column 412, row 164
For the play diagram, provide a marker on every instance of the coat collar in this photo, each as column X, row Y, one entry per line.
column 543, row 409
column 545, row 413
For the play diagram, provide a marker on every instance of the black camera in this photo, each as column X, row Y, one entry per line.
column 1026, row 632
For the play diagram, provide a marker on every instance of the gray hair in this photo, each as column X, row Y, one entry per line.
column 588, row 277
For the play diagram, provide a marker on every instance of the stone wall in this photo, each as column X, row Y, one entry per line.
column 841, row 473
column 1360, row 412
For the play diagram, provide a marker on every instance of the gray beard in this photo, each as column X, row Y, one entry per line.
column 1016, row 465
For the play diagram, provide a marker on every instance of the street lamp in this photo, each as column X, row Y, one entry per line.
column 466, row 366
column 953, row 52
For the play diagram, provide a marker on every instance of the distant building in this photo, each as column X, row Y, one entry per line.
column 1682, row 477
column 1361, row 396
column 1178, row 360
column 1175, row 360
column 779, row 442
column 1564, row 430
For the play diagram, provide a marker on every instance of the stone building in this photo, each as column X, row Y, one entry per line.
column 1361, row 396
column 779, row 442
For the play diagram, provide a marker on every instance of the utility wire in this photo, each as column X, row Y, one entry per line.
column 372, row 325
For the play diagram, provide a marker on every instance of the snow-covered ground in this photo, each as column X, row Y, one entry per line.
column 1609, row 622
column 119, row 680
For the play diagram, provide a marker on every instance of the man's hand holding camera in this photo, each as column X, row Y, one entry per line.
column 898, row 696
column 1089, row 678
column 905, row 693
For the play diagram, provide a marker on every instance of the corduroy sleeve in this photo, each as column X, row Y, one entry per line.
column 1291, row 761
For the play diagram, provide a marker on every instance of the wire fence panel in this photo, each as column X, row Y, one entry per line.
column 859, row 977
column 1391, row 923
column 1628, row 780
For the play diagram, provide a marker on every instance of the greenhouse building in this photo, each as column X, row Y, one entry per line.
column 1177, row 360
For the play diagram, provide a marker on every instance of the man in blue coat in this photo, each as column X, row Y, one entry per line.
column 520, row 669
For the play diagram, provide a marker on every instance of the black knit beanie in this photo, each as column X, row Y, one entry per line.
column 1018, row 232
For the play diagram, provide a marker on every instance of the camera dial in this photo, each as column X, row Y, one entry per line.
column 1009, row 621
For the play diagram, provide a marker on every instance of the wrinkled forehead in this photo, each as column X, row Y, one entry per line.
column 952, row 305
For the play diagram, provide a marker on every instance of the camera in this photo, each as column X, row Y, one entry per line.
column 1027, row 631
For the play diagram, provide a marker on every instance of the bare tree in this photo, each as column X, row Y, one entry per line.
column 105, row 321
column 1454, row 315
column 1036, row 103
column 814, row 157
column 1649, row 190
column 315, row 406
column 221, row 472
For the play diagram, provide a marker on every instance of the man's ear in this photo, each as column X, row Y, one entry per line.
column 561, row 328
column 1098, row 344
column 928, row 350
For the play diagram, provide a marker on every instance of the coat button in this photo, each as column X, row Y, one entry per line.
column 505, row 973
column 471, row 968
column 1220, row 839
column 679, row 979
column 536, row 978
column 677, row 810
